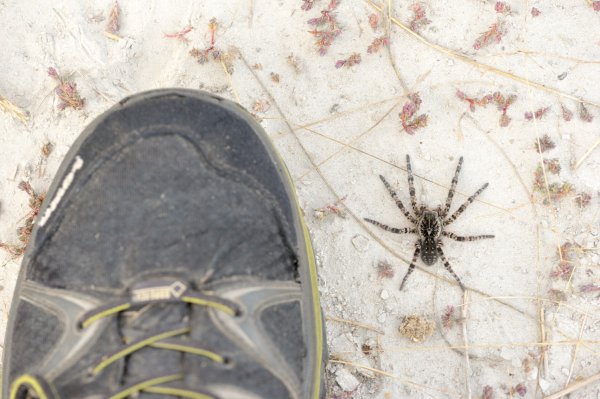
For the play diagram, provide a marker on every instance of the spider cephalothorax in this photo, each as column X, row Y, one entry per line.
column 430, row 224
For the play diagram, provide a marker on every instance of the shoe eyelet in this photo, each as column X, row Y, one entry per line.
column 228, row 363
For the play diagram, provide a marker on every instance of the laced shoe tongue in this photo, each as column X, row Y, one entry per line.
column 156, row 316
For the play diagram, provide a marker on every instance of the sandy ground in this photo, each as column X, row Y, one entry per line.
column 529, row 325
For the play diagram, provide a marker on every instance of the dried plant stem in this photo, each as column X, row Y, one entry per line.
column 354, row 140
column 464, row 313
column 587, row 154
column 390, row 375
column 574, row 387
column 230, row 82
column 576, row 349
column 12, row 109
column 480, row 65
column 355, row 323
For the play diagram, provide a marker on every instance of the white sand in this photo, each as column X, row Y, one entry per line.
column 349, row 139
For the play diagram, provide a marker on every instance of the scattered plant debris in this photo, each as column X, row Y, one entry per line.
column 307, row 4
column 329, row 27
column 416, row 328
column 502, row 8
column 410, row 122
column 257, row 66
column 448, row 317
column 384, row 270
column 544, row 144
column 556, row 190
column 519, row 389
column 261, row 106
column 584, row 114
column 377, row 43
column 354, row 59
column 552, row 165
column 567, row 254
column 212, row 52
column 113, row 26
column 488, row 392
column 419, row 19
column 473, row 102
column 294, row 62
column 493, row 34
column 66, row 91
column 589, row 288
column 366, row 349
column 374, row 21
column 567, row 114
column 501, row 102
column 557, row 295
column 274, row 77
column 583, row 199
column 24, row 231
column 331, row 209
column 537, row 114
column 47, row 149
column 535, row 12
column 181, row 34
column 12, row 109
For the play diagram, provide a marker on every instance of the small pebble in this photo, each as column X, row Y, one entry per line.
column 360, row 242
column 346, row 380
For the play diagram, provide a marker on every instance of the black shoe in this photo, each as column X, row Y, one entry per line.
column 169, row 260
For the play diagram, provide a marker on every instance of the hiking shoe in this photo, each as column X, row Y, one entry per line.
column 169, row 259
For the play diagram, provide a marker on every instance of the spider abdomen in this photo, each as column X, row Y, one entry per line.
column 429, row 253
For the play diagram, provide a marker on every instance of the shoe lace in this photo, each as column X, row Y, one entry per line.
column 168, row 338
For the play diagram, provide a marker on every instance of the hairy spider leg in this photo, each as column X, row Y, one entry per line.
column 411, row 186
column 411, row 267
column 452, row 188
column 398, row 202
column 448, row 267
column 464, row 205
column 466, row 238
column 403, row 230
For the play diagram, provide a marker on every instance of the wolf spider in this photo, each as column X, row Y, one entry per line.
column 430, row 224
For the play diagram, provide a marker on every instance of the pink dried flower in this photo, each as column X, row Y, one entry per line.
column 66, row 91
column 374, row 21
column 419, row 18
column 330, row 29
column 113, row 19
column 307, row 4
column 331, row 209
column 502, row 8
column 410, row 122
column 583, row 199
column 24, row 231
column 493, row 34
column 448, row 317
column 488, row 392
column 544, row 144
column 596, row 5
column 377, row 44
column 584, row 114
column 590, row 288
column 354, row 59
column 181, row 34
column 537, row 115
column 520, row 389
column 384, row 270
column 567, row 114
column 482, row 102
column 535, row 12
column 567, row 255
